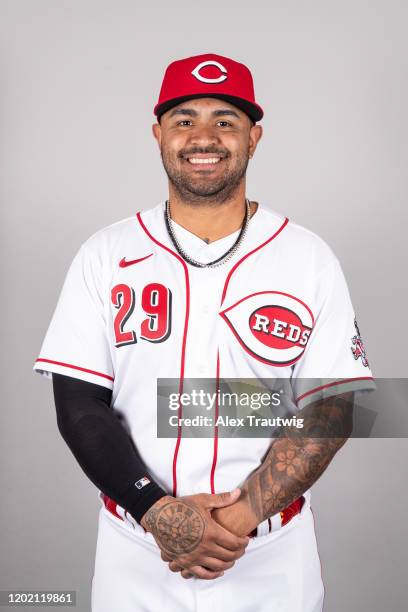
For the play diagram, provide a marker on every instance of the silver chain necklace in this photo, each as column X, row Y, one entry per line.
column 217, row 262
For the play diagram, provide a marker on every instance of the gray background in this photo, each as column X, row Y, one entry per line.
column 79, row 80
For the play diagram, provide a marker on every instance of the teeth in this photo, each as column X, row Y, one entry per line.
column 210, row 160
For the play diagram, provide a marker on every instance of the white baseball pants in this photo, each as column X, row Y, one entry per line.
column 279, row 572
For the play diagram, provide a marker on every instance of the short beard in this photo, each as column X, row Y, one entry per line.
column 204, row 191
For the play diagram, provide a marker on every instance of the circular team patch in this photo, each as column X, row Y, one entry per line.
column 272, row 326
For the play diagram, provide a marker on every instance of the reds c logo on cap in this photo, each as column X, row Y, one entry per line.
column 272, row 326
column 220, row 79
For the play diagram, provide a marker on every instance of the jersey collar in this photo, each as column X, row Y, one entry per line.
column 262, row 226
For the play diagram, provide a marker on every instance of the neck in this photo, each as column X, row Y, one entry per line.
column 210, row 220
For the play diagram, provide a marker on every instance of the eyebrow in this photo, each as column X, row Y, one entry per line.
column 193, row 113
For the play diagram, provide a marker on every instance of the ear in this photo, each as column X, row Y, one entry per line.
column 255, row 136
column 156, row 129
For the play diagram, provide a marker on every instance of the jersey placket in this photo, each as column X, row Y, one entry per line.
column 206, row 285
column 205, row 295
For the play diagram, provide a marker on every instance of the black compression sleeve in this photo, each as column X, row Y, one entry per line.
column 101, row 444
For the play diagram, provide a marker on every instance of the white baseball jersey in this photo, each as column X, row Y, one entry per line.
column 132, row 310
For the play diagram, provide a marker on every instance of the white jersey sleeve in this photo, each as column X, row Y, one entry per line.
column 76, row 343
column 335, row 360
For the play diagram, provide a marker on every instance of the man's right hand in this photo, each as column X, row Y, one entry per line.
column 186, row 533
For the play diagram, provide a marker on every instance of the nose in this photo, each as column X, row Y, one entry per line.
column 203, row 136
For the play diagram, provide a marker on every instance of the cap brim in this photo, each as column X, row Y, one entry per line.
column 254, row 111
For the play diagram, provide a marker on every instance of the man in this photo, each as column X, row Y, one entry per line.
column 205, row 284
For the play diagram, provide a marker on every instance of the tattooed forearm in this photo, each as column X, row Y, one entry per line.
column 178, row 527
column 298, row 458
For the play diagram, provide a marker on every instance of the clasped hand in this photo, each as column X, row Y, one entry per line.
column 190, row 535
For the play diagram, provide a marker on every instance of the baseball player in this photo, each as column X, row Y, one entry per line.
column 206, row 284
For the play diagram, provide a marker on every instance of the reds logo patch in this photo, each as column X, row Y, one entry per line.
column 272, row 326
column 357, row 347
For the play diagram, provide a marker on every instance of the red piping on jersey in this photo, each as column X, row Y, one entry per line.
column 74, row 367
column 215, row 451
column 332, row 384
column 230, row 273
column 183, row 348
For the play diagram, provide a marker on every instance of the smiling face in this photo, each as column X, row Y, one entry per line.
column 205, row 144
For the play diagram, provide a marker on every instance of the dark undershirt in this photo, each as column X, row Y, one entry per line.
column 101, row 445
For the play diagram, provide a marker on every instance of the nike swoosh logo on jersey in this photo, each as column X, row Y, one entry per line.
column 124, row 264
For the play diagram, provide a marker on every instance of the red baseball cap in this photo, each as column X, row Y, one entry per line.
column 208, row 76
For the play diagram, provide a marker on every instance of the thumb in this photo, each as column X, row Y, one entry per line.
column 220, row 500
